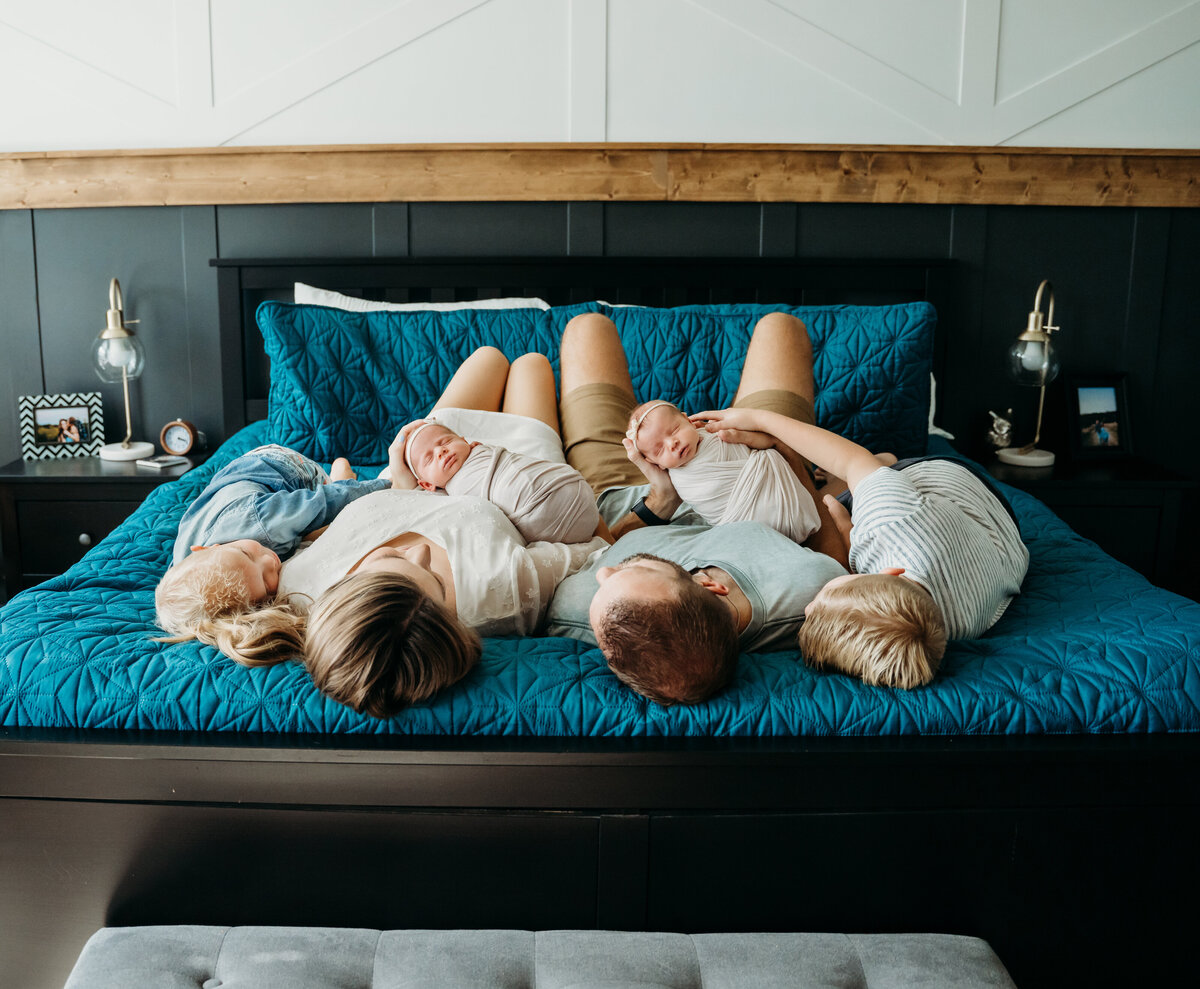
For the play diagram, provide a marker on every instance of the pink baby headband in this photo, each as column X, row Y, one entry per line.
column 408, row 444
column 632, row 432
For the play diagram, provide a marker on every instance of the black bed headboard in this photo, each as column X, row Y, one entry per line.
column 244, row 283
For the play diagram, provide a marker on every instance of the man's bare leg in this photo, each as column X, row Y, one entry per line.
column 780, row 357
column 595, row 373
column 591, row 353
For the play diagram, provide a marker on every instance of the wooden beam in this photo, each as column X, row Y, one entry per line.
column 601, row 173
column 993, row 176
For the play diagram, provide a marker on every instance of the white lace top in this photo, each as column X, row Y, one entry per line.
column 502, row 585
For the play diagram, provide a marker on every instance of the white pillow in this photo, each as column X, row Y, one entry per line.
column 935, row 430
column 308, row 295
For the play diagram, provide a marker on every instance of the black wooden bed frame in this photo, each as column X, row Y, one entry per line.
column 1071, row 855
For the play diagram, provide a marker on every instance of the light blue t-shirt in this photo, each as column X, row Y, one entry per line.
column 777, row 576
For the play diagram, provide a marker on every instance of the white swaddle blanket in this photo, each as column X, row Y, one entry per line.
column 520, row 468
column 730, row 482
column 521, row 434
column 546, row 501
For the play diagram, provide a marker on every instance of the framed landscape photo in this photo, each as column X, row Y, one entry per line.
column 54, row 426
column 1098, row 407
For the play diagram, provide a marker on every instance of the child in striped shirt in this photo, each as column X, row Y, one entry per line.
column 935, row 553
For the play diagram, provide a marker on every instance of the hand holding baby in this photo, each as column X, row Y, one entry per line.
column 397, row 469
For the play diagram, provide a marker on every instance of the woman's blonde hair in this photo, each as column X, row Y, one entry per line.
column 197, row 600
column 376, row 643
column 885, row 629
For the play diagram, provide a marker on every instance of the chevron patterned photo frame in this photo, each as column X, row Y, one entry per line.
column 56, row 426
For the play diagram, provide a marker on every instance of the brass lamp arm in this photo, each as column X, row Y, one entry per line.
column 116, row 321
column 1035, row 318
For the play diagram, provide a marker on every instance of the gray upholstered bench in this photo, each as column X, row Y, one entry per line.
column 346, row 958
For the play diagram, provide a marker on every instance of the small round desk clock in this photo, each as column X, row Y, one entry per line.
column 180, row 437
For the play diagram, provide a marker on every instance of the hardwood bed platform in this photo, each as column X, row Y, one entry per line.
column 1071, row 855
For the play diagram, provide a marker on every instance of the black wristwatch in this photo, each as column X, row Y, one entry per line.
column 643, row 512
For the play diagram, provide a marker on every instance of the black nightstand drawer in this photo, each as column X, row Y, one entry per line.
column 1130, row 507
column 56, row 534
column 47, row 505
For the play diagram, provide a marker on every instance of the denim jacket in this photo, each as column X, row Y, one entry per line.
column 273, row 495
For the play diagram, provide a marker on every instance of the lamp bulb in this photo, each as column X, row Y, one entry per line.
column 118, row 357
column 1034, row 356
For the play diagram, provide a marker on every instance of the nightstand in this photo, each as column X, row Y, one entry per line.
column 53, row 511
column 1130, row 507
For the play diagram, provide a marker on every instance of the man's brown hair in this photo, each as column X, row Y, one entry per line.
column 885, row 629
column 678, row 651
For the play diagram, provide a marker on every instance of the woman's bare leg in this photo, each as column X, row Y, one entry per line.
column 478, row 383
column 530, row 390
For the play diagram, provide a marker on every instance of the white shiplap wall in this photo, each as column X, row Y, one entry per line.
column 76, row 74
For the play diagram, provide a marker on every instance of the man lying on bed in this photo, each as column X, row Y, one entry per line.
column 672, row 606
column 937, row 550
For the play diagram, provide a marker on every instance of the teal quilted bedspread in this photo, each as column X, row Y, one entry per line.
column 1089, row 646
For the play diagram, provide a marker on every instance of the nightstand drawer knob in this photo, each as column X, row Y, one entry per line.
column 85, row 539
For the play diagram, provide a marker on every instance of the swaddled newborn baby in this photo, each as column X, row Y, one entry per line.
column 723, row 482
column 546, row 501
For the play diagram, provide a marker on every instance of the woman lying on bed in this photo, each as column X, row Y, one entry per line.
column 403, row 582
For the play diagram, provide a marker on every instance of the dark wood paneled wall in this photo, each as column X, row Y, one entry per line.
column 1126, row 283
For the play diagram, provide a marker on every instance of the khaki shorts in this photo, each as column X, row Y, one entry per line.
column 594, row 418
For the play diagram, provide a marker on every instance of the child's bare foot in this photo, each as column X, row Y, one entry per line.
column 341, row 470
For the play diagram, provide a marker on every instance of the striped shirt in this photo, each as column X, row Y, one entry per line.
column 939, row 522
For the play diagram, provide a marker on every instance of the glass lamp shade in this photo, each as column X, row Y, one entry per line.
column 116, row 354
column 1033, row 360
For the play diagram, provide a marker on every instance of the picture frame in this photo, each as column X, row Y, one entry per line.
column 1100, row 423
column 70, row 424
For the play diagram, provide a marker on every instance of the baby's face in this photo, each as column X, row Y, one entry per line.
column 667, row 438
column 437, row 455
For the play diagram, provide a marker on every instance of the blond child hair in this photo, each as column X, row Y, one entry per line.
column 377, row 643
column 194, row 591
column 885, row 629
column 197, row 599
